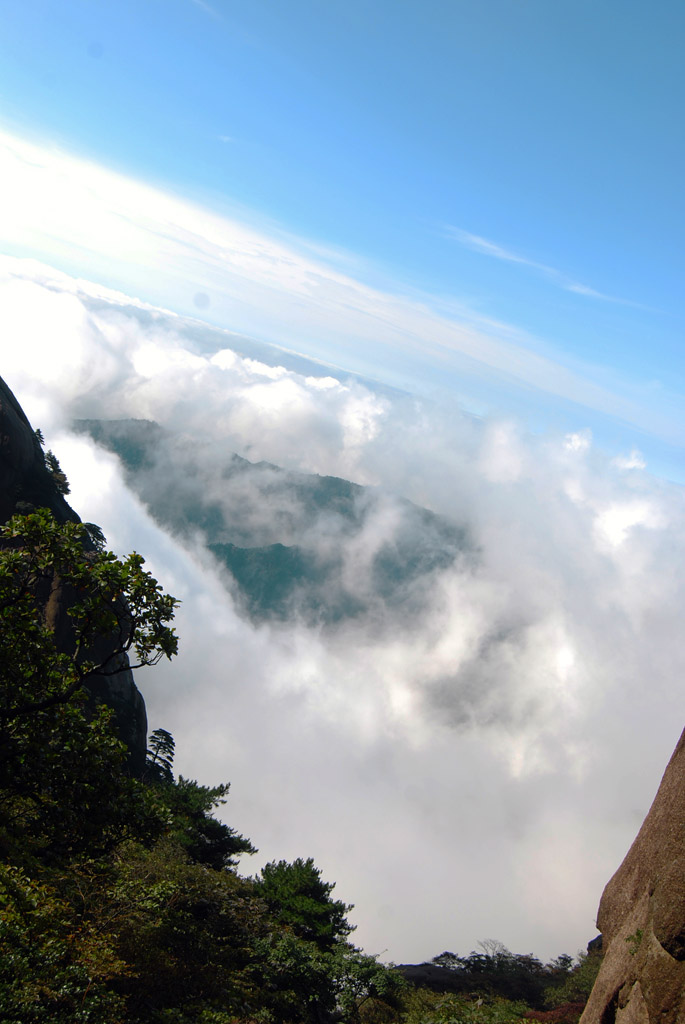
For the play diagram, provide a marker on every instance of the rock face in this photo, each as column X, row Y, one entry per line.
column 24, row 477
column 25, row 482
column 642, row 918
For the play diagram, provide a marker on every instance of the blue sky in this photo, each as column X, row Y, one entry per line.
column 516, row 165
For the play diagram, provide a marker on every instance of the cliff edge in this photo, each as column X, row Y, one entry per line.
column 642, row 918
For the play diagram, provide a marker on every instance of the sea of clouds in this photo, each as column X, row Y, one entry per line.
column 475, row 769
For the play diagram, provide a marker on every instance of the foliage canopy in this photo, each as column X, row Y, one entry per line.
column 119, row 897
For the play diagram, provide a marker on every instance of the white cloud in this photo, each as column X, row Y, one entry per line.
column 632, row 461
column 135, row 236
column 476, row 768
column 615, row 521
column 579, row 441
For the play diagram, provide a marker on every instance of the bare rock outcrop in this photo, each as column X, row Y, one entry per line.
column 24, row 477
column 25, row 483
column 642, row 918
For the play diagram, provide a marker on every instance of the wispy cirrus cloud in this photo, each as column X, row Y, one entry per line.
column 136, row 238
column 488, row 248
column 207, row 8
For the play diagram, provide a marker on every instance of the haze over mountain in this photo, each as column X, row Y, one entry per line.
column 297, row 545
column 489, row 750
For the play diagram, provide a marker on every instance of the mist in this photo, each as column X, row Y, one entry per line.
column 470, row 759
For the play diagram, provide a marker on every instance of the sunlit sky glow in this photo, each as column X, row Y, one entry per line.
column 478, row 199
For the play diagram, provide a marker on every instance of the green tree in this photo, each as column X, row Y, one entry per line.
column 118, row 896
column 56, row 472
column 160, row 757
column 205, row 839
column 68, row 614
column 308, row 972
column 186, row 934
column 301, row 982
column 299, row 899
column 116, row 609
column 575, row 985
column 55, row 965
column 423, row 1006
column 498, row 972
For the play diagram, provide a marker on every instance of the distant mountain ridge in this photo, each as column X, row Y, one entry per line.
column 320, row 548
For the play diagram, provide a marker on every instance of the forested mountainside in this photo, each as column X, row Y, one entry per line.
column 120, row 896
column 296, row 544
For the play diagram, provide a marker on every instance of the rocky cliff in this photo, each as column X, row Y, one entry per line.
column 26, row 483
column 642, row 918
column 24, row 477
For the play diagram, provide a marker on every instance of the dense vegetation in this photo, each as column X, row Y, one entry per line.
column 120, row 899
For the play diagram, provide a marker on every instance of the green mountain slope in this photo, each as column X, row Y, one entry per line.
column 296, row 545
